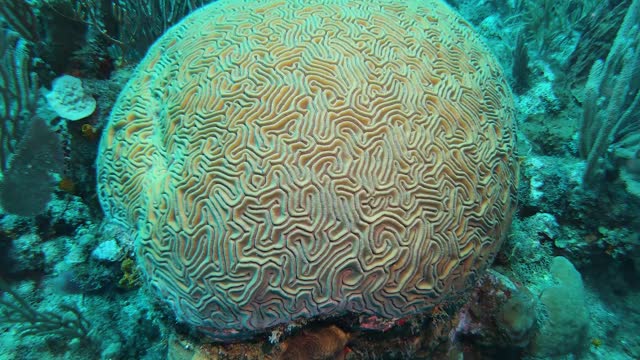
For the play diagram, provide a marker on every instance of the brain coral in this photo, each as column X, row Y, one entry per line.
column 287, row 159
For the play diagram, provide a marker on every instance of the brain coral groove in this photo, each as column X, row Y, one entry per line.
column 288, row 159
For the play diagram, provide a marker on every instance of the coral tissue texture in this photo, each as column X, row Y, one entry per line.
column 287, row 159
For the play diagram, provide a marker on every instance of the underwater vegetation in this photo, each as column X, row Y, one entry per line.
column 16, row 310
column 323, row 179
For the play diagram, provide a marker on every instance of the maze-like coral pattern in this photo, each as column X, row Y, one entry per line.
column 287, row 159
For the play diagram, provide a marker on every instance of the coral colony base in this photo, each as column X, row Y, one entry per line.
column 321, row 179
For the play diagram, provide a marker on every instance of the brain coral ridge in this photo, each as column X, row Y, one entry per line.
column 288, row 159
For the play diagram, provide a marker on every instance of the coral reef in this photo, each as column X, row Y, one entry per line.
column 562, row 286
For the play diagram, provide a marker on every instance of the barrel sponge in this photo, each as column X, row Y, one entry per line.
column 287, row 159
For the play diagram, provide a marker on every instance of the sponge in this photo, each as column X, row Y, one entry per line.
column 564, row 329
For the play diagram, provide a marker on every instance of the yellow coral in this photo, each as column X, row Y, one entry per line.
column 130, row 274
